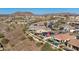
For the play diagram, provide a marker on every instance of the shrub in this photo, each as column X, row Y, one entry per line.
column 12, row 45
column 31, row 38
column 23, row 38
column 4, row 41
column 38, row 44
column 1, row 35
column 47, row 47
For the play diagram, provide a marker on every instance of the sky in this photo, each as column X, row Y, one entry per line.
column 39, row 11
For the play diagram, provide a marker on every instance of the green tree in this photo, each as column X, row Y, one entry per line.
column 47, row 47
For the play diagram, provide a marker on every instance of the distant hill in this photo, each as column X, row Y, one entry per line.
column 31, row 14
column 22, row 14
column 63, row 14
column 4, row 15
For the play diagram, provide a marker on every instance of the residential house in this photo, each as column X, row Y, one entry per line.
column 63, row 37
column 73, row 44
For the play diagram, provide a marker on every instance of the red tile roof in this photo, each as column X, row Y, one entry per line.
column 64, row 36
column 74, row 42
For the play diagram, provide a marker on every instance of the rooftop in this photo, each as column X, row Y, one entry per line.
column 64, row 36
column 74, row 42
